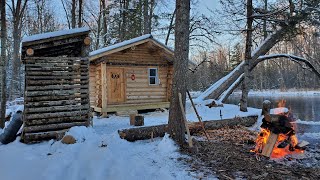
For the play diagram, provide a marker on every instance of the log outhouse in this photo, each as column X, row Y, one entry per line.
column 56, row 95
column 132, row 75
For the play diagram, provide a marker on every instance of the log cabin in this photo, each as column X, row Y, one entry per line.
column 132, row 75
column 56, row 95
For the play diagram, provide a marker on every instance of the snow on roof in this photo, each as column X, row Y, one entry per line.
column 132, row 41
column 48, row 35
column 121, row 44
column 127, row 42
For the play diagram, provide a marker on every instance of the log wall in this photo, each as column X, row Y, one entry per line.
column 135, row 61
column 56, row 96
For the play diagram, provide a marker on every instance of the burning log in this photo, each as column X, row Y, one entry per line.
column 277, row 132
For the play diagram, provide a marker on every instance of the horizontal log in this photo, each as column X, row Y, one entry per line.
column 9, row 134
column 57, row 114
column 50, row 127
column 61, row 66
column 55, row 69
column 38, row 137
column 55, row 87
column 141, row 101
column 143, row 90
column 55, row 82
column 145, row 97
column 145, row 85
column 56, row 103
column 57, row 61
column 34, row 122
column 71, row 78
column 53, row 59
column 54, row 98
column 146, row 93
column 55, row 108
column 55, row 92
column 147, row 132
column 54, row 73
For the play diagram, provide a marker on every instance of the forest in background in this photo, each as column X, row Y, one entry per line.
column 217, row 36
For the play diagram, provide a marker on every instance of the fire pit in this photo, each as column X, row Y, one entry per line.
column 277, row 137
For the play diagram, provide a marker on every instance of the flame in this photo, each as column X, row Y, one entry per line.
column 264, row 134
column 262, row 139
column 281, row 108
column 282, row 103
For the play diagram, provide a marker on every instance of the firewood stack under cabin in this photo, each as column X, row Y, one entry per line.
column 56, row 95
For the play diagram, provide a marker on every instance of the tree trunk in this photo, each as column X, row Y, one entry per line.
column 296, row 59
column 73, row 14
column 265, row 33
column 14, row 85
column 176, row 127
column 80, row 13
column 66, row 12
column 150, row 17
column 246, row 79
column 10, row 133
column 148, row 132
column 145, row 16
column 18, row 9
column 99, row 26
column 170, row 27
column 260, row 51
column 105, row 14
column 3, row 62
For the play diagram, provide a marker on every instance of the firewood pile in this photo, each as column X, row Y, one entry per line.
column 236, row 134
column 227, row 156
column 228, row 153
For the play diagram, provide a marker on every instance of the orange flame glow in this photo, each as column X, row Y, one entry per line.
column 262, row 139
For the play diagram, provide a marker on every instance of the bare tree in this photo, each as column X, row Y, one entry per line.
column 246, row 80
column 80, row 13
column 176, row 123
column 73, row 14
column 3, row 62
column 17, row 9
column 40, row 18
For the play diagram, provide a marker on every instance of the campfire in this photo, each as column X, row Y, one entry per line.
column 277, row 137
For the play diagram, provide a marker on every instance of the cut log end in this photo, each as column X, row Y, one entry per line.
column 30, row 52
column 87, row 41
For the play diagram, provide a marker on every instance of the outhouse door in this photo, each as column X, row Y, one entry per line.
column 116, row 85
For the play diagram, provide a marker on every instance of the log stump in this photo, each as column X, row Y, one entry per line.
column 136, row 120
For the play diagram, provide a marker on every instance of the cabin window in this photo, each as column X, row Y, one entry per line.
column 153, row 76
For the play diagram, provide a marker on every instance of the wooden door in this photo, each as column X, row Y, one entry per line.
column 116, row 85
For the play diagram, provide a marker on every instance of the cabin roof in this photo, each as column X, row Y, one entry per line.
column 59, row 43
column 51, row 35
column 128, row 44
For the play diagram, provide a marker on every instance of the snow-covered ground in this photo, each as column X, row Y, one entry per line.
column 100, row 153
column 89, row 159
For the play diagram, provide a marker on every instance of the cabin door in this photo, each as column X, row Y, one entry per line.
column 116, row 85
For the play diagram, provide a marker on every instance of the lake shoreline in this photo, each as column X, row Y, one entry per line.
column 277, row 92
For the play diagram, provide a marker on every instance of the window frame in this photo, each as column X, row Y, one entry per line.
column 156, row 77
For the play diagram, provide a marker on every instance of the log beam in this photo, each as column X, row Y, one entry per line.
column 147, row 132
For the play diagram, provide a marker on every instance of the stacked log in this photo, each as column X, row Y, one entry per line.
column 56, row 96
